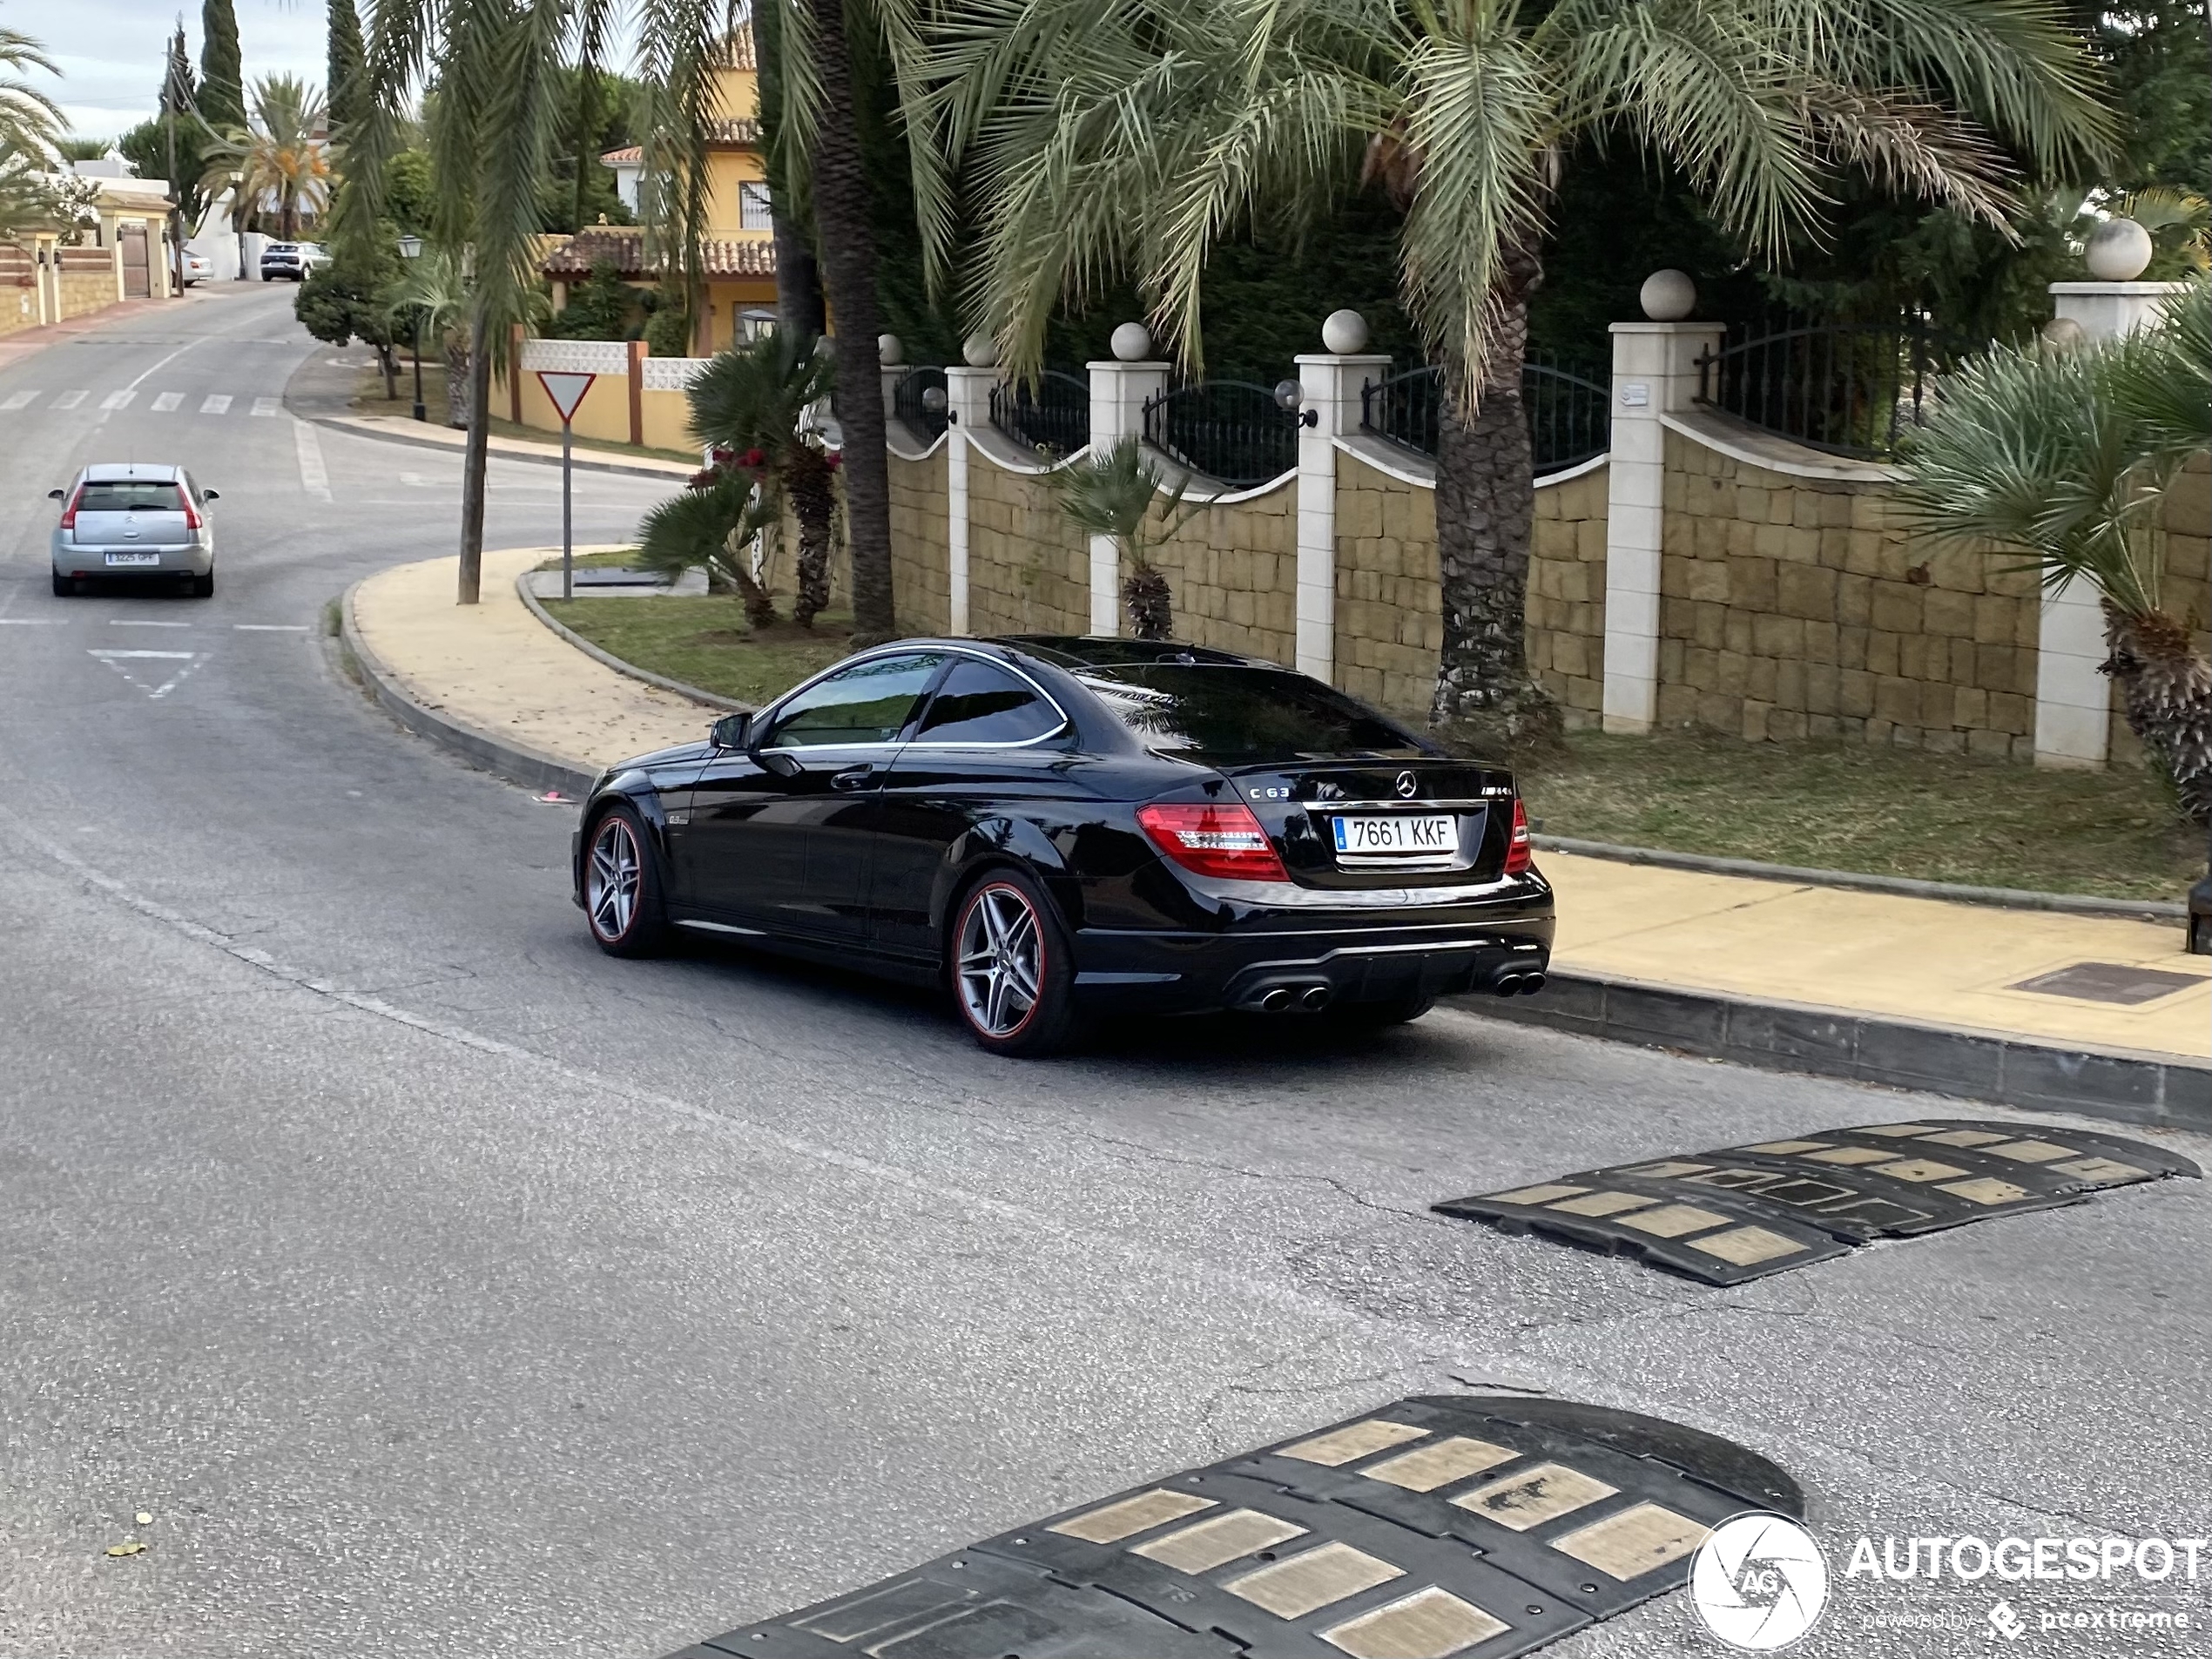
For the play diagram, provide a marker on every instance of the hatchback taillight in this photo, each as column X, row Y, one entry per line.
column 1213, row 840
column 1519, row 855
column 69, row 513
column 191, row 513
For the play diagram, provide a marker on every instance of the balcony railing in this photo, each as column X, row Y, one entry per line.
column 1233, row 431
column 1052, row 417
column 910, row 401
column 1569, row 414
column 1848, row 388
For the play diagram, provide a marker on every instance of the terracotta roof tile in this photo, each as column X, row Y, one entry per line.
column 633, row 155
column 623, row 248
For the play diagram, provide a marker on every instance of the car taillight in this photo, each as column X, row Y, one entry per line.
column 191, row 513
column 1519, row 854
column 69, row 513
column 1213, row 840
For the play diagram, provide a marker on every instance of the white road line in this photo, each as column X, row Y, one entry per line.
column 115, row 659
column 167, row 401
column 169, row 656
column 312, row 478
column 134, row 621
column 29, row 621
column 216, row 403
column 121, row 400
column 69, row 399
column 267, row 405
column 271, row 627
column 19, row 401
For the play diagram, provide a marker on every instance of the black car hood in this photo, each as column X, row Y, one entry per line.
column 673, row 756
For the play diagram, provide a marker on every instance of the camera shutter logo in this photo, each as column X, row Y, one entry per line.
column 1759, row 1582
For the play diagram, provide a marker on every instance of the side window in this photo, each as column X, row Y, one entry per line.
column 980, row 703
column 870, row 702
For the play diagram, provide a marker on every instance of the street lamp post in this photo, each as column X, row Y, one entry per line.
column 411, row 248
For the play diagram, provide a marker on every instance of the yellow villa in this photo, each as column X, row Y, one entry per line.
column 739, row 251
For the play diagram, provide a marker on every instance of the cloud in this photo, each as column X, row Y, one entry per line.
column 111, row 53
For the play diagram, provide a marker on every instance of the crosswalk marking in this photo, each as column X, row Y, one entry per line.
column 122, row 400
column 19, row 401
column 216, row 403
column 267, row 405
column 167, row 401
column 70, row 399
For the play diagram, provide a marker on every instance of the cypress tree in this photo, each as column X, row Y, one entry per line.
column 347, row 56
column 222, row 67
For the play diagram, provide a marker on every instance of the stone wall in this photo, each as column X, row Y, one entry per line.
column 87, row 280
column 2186, row 589
column 1233, row 571
column 1028, row 572
column 1793, row 608
column 920, row 570
column 1389, row 626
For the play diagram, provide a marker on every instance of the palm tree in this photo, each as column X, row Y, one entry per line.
column 1103, row 141
column 281, row 155
column 709, row 525
column 30, row 122
column 2063, row 459
column 494, row 126
column 431, row 287
column 818, row 155
column 1117, row 495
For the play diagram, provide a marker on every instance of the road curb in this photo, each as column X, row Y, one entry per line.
column 516, row 762
column 583, row 460
column 2123, row 1086
column 2076, row 903
column 529, row 602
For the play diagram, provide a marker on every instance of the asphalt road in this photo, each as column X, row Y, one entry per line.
column 441, row 1286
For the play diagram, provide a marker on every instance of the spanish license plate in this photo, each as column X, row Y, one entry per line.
column 1435, row 836
column 133, row 558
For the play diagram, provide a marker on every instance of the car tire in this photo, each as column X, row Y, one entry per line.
column 1376, row 1016
column 1010, row 965
column 622, row 901
column 63, row 586
column 203, row 587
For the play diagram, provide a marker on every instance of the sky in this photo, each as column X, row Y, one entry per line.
column 111, row 51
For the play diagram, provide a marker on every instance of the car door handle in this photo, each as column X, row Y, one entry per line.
column 852, row 777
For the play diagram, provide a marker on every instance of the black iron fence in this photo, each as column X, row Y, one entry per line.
column 912, row 402
column 1230, row 430
column 1849, row 389
column 1053, row 416
column 1570, row 413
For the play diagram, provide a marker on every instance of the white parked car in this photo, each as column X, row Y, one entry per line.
column 198, row 268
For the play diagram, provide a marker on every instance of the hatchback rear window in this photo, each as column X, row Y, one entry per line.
column 128, row 495
column 1239, row 716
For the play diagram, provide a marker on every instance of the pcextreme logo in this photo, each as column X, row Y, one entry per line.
column 1758, row 1582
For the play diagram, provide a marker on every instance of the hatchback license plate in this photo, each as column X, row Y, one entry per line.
column 134, row 558
column 1433, row 836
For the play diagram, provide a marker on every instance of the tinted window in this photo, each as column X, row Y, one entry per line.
column 870, row 702
column 980, row 703
column 126, row 495
column 1239, row 716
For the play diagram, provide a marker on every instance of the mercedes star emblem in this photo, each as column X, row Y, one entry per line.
column 1408, row 787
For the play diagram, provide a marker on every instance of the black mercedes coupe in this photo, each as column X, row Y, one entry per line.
column 1058, row 828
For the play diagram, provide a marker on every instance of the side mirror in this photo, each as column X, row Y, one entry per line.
column 732, row 731
column 211, row 494
column 56, row 494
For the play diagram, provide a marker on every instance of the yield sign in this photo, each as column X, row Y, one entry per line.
column 566, row 390
column 177, row 665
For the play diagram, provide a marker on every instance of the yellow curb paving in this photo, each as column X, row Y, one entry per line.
column 497, row 668
column 408, row 430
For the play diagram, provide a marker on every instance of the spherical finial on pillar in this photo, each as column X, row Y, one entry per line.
column 1345, row 333
column 979, row 351
column 2119, row 249
column 1667, row 296
column 1132, row 342
column 890, row 350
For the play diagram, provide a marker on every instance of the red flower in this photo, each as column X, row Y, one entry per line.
column 834, row 459
column 753, row 460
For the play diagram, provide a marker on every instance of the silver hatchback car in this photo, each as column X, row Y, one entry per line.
column 135, row 520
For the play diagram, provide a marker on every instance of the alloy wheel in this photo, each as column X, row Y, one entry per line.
column 1000, row 964
column 611, row 884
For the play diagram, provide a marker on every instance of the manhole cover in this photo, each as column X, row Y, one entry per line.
column 1744, row 1211
column 2110, row 982
column 1437, row 1526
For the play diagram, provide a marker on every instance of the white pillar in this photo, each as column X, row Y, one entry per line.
column 968, row 409
column 1332, row 383
column 1655, row 370
column 1119, row 391
column 2073, row 700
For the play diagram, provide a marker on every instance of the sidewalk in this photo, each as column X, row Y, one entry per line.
column 1678, row 944
column 29, row 342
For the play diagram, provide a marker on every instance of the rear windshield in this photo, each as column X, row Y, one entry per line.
column 1246, row 716
column 128, row 495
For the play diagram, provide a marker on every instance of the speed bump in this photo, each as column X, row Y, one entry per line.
column 1741, row 1213
column 1432, row 1528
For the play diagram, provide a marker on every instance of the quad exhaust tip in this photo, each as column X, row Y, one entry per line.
column 1296, row 999
column 1518, row 984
